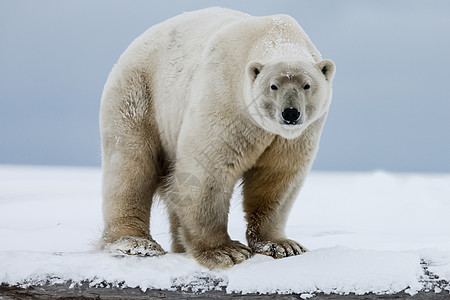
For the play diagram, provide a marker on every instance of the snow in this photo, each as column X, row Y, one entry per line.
column 330, row 270
column 367, row 232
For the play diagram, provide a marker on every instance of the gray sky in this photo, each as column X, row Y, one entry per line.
column 391, row 101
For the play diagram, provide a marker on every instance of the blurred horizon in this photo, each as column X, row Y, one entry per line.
column 390, row 105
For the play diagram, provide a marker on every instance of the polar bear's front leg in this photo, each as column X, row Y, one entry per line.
column 267, row 202
column 270, row 188
column 201, row 201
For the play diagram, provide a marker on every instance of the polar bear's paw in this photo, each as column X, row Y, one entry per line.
column 279, row 249
column 134, row 246
column 224, row 256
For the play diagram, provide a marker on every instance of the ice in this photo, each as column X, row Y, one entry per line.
column 368, row 232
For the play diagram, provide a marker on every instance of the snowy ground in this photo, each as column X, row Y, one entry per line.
column 367, row 232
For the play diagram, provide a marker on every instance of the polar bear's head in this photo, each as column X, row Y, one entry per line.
column 284, row 97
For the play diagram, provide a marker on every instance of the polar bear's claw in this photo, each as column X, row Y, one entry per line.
column 280, row 249
column 129, row 245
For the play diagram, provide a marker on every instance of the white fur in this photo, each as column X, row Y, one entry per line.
column 215, row 60
column 193, row 96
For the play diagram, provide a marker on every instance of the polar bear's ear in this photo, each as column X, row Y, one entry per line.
column 327, row 68
column 253, row 69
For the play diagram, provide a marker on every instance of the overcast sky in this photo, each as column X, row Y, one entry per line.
column 391, row 104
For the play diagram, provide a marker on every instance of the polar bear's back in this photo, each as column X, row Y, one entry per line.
column 191, row 30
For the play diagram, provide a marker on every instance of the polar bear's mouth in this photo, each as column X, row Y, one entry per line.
column 292, row 122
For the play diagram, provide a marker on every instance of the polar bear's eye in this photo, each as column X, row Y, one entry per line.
column 306, row 87
column 274, row 87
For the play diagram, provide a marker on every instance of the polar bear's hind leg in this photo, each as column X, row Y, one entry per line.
column 131, row 164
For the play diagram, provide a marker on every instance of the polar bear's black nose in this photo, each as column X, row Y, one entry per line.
column 290, row 115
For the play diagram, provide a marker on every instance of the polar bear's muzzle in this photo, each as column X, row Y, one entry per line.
column 292, row 112
column 291, row 116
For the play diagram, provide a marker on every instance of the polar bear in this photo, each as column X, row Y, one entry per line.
column 197, row 103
